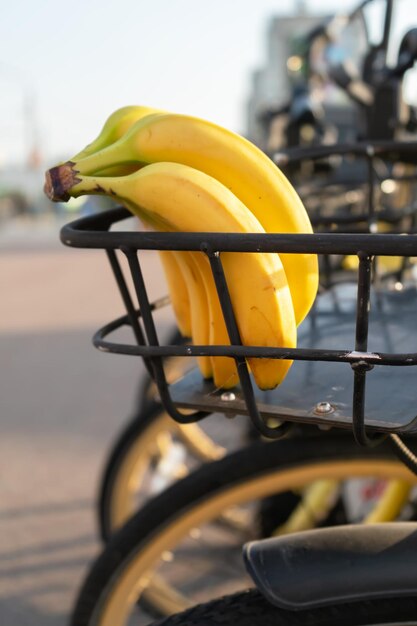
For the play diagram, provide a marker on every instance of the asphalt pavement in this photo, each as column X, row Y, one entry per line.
column 61, row 404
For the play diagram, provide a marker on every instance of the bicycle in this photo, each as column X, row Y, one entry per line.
column 132, row 458
column 115, row 581
column 345, row 86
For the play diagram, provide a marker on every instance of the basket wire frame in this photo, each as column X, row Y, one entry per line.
column 93, row 232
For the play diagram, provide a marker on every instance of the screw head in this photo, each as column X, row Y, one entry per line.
column 228, row 396
column 323, row 408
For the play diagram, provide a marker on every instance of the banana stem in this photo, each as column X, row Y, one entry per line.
column 59, row 181
column 64, row 182
column 114, row 155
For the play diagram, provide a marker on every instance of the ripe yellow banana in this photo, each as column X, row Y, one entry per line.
column 233, row 161
column 185, row 199
column 176, row 281
column 224, row 368
column 178, row 290
column 197, row 298
column 116, row 125
column 196, row 305
column 114, row 128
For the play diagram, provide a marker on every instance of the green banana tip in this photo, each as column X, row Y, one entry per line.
column 59, row 181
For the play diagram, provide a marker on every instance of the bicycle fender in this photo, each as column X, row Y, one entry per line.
column 335, row 565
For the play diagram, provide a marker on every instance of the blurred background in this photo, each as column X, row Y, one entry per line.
column 63, row 70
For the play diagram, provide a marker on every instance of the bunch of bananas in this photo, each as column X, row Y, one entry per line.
column 180, row 173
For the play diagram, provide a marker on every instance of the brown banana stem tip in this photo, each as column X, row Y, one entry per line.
column 59, row 180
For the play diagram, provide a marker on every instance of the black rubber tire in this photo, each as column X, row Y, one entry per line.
column 272, row 512
column 128, row 436
column 250, row 608
column 208, row 482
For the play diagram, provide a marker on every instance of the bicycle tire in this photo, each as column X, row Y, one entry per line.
column 250, row 607
column 113, row 585
column 109, row 514
column 131, row 457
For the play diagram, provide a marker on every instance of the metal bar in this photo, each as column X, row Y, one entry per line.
column 101, row 221
column 327, row 271
column 158, row 372
column 361, row 344
column 371, row 189
column 387, row 29
column 128, row 303
column 317, row 243
column 234, row 336
column 358, row 406
column 392, row 150
column 360, row 368
column 251, row 352
column 363, row 303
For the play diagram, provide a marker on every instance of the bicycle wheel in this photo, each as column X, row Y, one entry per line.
column 180, row 526
column 151, row 452
column 250, row 608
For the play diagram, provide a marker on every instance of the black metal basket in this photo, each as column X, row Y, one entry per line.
column 342, row 340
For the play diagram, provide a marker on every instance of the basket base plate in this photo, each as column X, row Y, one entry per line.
column 391, row 391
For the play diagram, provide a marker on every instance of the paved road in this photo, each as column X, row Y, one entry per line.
column 62, row 403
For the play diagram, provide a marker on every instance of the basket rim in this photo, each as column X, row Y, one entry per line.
column 92, row 232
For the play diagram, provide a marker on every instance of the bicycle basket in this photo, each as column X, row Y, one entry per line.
column 353, row 365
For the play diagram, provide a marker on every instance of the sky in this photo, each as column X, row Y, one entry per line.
column 67, row 67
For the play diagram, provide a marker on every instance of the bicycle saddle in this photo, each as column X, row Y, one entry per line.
column 335, row 565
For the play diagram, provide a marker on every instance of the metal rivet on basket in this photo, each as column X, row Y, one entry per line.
column 323, row 408
column 228, row 396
